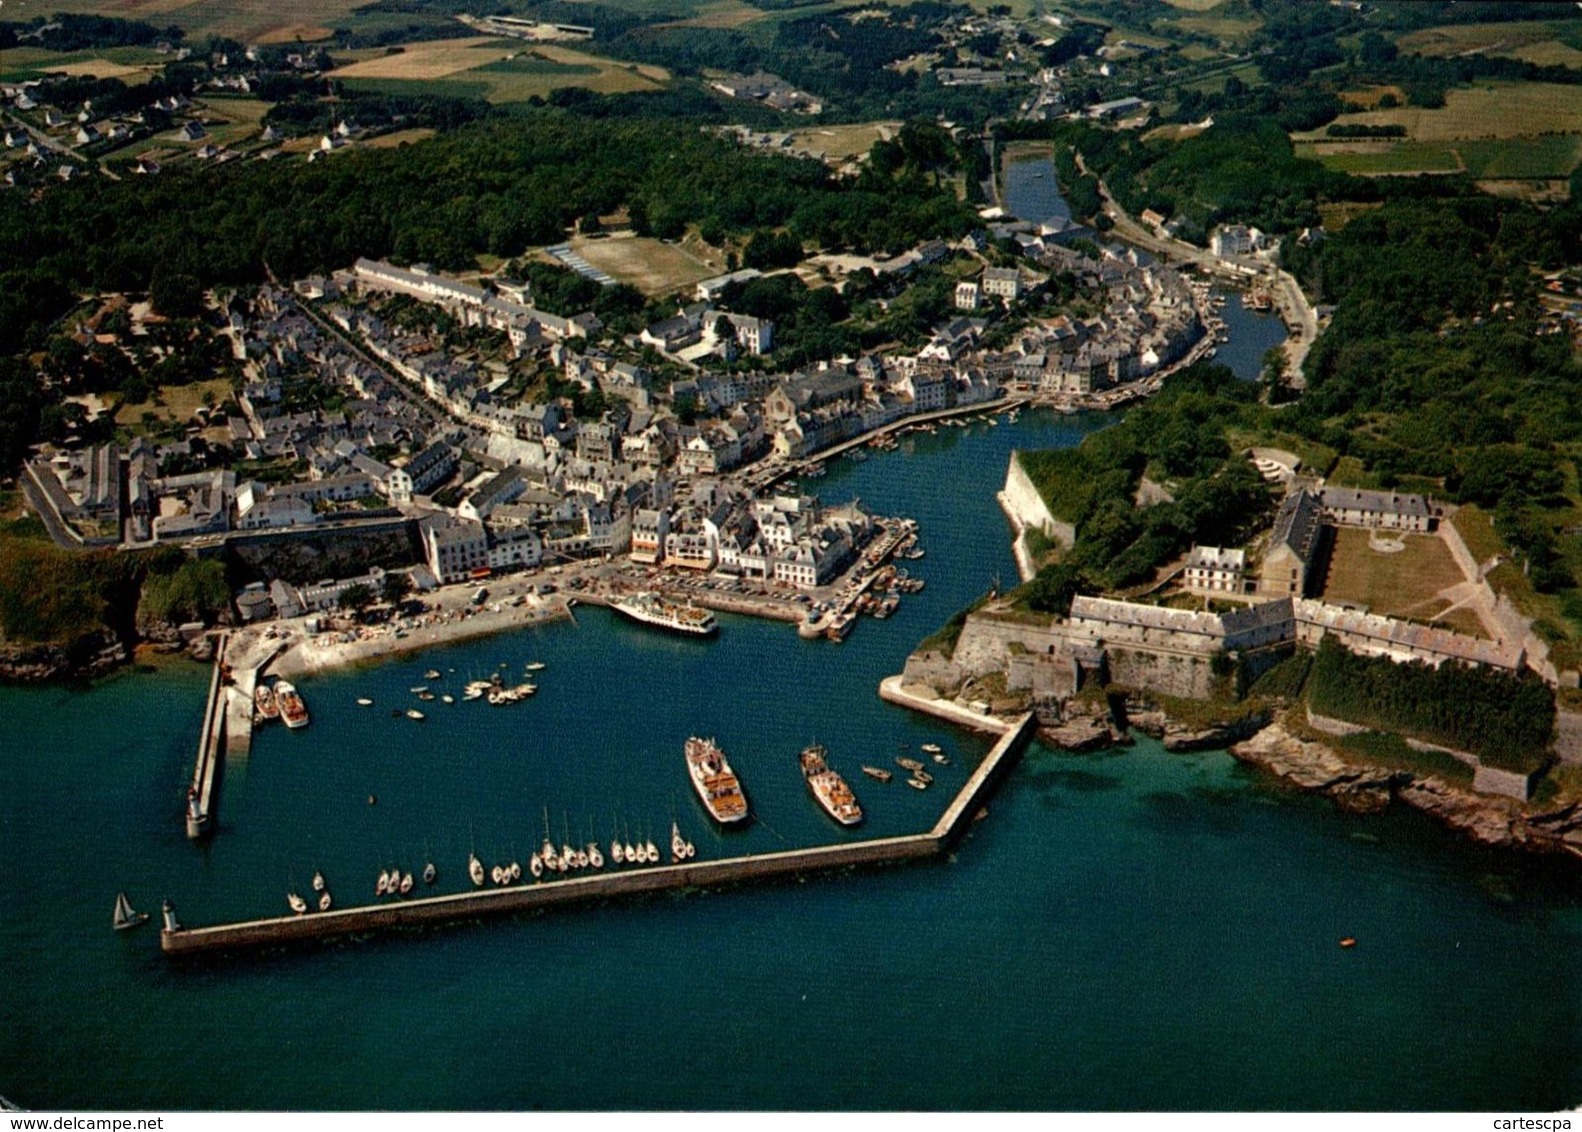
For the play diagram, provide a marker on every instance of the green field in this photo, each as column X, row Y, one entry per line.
column 1549, row 157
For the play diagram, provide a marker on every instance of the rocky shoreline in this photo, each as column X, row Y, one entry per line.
column 1484, row 818
column 95, row 654
column 1261, row 741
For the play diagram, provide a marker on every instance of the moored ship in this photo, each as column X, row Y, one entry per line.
column 651, row 609
column 292, row 710
column 716, row 784
column 829, row 788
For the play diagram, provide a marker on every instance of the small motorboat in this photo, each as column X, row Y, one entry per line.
column 475, row 869
column 324, row 902
column 931, row 748
column 406, row 883
column 298, row 905
column 364, row 701
column 428, row 696
column 908, row 764
column 413, row 713
column 923, row 776
column 942, row 760
column 430, row 873
column 431, row 674
column 125, row 915
column 419, row 689
column 535, row 666
column 318, row 882
column 877, row 772
column 917, row 784
column 447, row 699
column 1348, row 942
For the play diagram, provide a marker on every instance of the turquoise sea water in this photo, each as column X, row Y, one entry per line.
column 1133, row 930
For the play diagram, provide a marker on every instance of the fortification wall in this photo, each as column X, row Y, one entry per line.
column 1020, row 498
column 1168, row 673
column 1568, row 735
column 985, row 644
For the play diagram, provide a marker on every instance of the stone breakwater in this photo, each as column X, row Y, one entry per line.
column 1486, row 819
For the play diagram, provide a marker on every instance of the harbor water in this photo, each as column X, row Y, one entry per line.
column 1130, row 930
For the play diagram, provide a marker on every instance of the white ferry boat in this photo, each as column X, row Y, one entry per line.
column 715, row 782
column 651, row 609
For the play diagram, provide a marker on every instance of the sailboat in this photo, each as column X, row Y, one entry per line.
column 430, row 873
column 318, row 882
column 475, row 869
column 384, row 883
column 298, row 905
column 535, row 865
column 125, row 915
column 406, row 883
column 324, row 902
column 546, row 851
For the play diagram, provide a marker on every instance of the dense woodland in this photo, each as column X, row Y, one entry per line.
column 1176, row 439
column 1505, row 720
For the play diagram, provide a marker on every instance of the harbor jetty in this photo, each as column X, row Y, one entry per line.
column 200, row 794
column 179, row 941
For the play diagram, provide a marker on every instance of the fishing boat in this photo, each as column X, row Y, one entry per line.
column 318, row 882
column 292, row 710
column 877, row 772
column 475, row 869
column 917, row 784
column 715, row 782
column 406, row 883
column 364, row 701
column 324, row 902
column 298, row 905
column 413, row 713
column 264, row 703
column 907, row 764
column 125, row 915
column 430, row 873
column 829, row 788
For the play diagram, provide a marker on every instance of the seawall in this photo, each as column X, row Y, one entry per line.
column 1026, row 508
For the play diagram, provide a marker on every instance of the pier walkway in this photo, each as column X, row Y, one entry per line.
column 200, row 795
column 529, row 896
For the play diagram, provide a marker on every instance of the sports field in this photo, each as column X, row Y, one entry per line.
column 654, row 267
